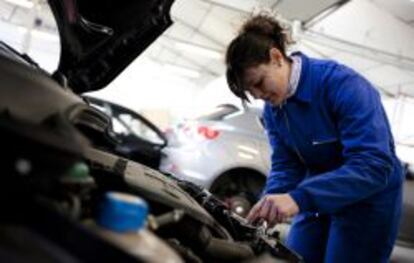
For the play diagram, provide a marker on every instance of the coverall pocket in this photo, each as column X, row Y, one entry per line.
column 324, row 141
column 326, row 152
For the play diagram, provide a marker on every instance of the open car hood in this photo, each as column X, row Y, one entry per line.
column 100, row 38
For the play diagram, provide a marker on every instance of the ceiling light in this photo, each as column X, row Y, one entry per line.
column 186, row 72
column 196, row 49
column 22, row 3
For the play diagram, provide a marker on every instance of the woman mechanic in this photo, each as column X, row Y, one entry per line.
column 334, row 166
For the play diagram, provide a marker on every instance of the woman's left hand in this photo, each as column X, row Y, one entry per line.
column 274, row 208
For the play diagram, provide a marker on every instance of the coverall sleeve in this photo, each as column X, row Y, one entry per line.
column 367, row 150
column 286, row 170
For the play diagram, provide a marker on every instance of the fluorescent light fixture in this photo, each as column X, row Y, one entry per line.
column 196, row 49
column 22, row 3
column 186, row 72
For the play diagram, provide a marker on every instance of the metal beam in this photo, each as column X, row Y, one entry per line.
column 228, row 7
column 12, row 13
column 31, row 18
column 179, row 40
column 397, row 60
column 279, row 17
column 199, row 67
column 313, row 49
column 324, row 13
column 195, row 29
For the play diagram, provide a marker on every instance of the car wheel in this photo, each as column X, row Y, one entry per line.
column 239, row 191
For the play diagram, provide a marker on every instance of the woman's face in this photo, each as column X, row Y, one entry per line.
column 269, row 81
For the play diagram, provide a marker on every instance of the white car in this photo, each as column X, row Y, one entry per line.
column 225, row 150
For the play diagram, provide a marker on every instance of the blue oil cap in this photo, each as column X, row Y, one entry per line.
column 122, row 212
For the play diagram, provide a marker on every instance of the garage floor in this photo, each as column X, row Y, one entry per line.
column 402, row 255
column 409, row 191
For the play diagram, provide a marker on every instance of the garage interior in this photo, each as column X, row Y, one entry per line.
column 181, row 75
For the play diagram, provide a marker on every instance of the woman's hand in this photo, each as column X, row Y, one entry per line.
column 274, row 208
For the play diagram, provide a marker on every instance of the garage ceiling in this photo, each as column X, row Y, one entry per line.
column 211, row 24
column 401, row 9
column 371, row 37
column 206, row 26
column 202, row 29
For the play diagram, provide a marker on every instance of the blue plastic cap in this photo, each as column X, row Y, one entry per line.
column 122, row 212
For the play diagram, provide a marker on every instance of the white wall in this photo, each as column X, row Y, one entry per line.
column 217, row 92
column 147, row 86
column 44, row 48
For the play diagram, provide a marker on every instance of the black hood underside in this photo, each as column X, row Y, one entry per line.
column 99, row 39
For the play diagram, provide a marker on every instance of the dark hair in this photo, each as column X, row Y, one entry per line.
column 251, row 47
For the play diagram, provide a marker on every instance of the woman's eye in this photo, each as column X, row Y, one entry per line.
column 258, row 83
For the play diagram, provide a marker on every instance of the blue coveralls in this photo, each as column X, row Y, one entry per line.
column 333, row 152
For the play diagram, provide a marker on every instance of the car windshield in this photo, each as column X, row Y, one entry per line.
column 126, row 124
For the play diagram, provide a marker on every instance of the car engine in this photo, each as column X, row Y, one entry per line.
column 54, row 185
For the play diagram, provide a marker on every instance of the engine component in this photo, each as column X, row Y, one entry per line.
column 239, row 228
column 171, row 217
column 121, row 212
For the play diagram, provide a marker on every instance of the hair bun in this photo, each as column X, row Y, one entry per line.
column 264, row 25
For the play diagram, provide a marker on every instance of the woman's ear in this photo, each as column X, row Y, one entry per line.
column 276, row 56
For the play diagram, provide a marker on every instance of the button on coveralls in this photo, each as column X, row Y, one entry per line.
column 333, row 152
